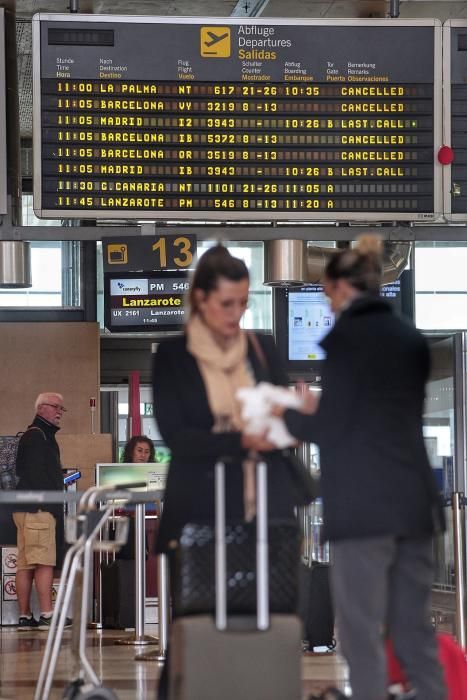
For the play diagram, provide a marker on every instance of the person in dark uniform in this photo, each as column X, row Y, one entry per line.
column 195, row 379
column 381, row 507
column 39, row 530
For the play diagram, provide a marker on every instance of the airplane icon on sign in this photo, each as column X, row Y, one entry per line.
column 215, row 38
column 215, row 42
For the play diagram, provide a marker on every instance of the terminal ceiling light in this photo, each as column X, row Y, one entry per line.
column 15, row 265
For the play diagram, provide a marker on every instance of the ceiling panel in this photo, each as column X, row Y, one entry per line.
column 326, row 10
column 442, row 9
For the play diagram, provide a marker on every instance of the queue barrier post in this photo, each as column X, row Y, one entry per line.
column 139, row 638
column 163, row 605
column 458, row 519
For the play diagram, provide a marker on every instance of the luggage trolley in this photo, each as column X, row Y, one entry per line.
column 95, row 508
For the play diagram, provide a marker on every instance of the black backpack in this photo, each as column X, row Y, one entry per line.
column 8, row 451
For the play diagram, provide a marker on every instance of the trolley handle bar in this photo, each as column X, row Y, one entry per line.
column 111, row 497
column 107, row 492
column 133, row 485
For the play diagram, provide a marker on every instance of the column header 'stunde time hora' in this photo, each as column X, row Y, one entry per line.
column 232, row 119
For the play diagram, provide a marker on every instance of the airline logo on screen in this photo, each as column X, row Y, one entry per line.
column 215, row 42
column 136, row 287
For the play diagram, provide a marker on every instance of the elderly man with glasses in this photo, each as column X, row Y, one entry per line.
column 39, row 530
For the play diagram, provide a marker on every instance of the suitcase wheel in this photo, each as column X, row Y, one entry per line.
column 76, row 690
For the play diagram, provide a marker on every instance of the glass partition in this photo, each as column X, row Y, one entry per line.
column 439, row 433
column 441, row 285
column 440, row 438
column 55, row 272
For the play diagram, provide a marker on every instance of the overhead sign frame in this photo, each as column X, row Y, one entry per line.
column 376, row 198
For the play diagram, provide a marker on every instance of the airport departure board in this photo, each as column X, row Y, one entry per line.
column 455, row 81
column 236, row 119
column 3, row 164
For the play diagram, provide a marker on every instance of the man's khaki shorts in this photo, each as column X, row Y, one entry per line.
column 35, row 539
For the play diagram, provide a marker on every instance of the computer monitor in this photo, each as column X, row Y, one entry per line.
column 303, row 316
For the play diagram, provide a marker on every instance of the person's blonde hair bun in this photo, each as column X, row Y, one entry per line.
column 370, row 244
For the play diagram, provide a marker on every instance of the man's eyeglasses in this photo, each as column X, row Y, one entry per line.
column 56, row 406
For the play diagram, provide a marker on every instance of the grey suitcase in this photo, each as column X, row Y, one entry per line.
column 231, row 658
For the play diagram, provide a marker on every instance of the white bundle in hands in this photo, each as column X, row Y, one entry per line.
column 257, row 403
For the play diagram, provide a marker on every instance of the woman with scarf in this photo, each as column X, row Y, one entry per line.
column 195, row 380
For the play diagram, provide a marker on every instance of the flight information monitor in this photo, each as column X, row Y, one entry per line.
column 303, row 317
column 151, row 301
column 309, row 319
column 236, row 119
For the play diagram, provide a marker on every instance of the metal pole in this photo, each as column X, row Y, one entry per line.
column 221, row 554
column 458, row 517
column 262, row 556
column 163, row 608
column 304, row 453
column 139, row 638
column 460, row 419
column 140, row 571
column 394, row 11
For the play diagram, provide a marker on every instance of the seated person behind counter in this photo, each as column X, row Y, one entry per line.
column 139, row 449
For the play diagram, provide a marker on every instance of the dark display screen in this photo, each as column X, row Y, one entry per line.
column 239, row 121
column 153, row 301
column 458, row 87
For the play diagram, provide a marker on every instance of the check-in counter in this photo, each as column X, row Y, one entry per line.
column 155, row 476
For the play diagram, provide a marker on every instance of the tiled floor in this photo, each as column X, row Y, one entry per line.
column 21, row 653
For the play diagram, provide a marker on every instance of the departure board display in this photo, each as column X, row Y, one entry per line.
column 236, row 119
column 455, row 184
column 3, row 165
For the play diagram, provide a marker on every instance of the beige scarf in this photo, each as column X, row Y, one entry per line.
column 223, row 372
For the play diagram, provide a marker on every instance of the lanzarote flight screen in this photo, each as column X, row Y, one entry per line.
column 241, row 119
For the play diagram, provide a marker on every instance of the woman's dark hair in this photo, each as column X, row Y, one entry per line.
column 131, row 444
column 361, row 266
column 212, row 265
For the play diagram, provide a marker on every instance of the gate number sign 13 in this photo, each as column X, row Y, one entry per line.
column 175, row 252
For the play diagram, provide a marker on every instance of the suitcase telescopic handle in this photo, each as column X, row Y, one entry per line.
column 262, row 547
column 262, row 563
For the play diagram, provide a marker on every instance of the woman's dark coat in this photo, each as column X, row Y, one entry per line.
column 185, row 422
column 376, row 478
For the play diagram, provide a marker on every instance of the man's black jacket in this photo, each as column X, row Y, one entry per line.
column 38, row 465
